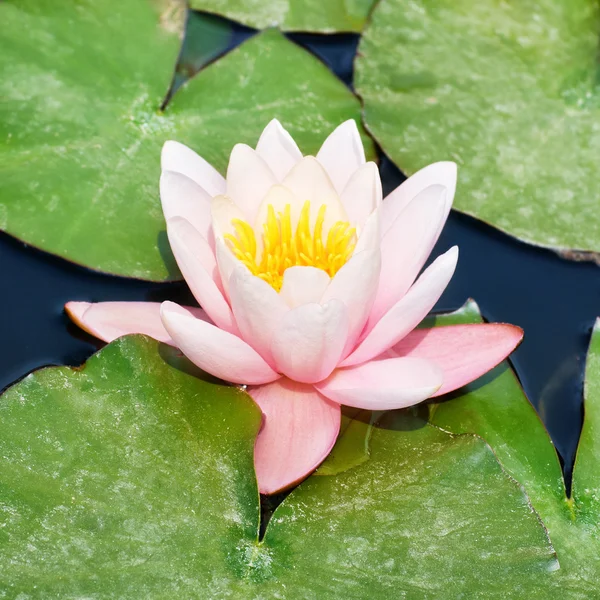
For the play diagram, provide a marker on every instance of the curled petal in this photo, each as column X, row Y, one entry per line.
column 111, row 320
column 217, row 352
column 198, row 266
column 299, row 429
column 362, row 194
column 408, row 312
column 180, row 159
column 279, row 150
column 463, row 352
column 440, row 173
column 342, row 153
column 384, row 384
column 406, row 246
column 309, row 341
column 303, row 285
column 182, row 197
column 248, row 180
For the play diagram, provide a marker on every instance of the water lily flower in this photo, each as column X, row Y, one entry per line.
column 310, row 287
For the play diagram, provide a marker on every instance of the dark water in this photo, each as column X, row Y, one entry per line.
column 553, row 300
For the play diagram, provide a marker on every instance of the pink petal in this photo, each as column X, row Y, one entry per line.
column 303, row 285
column 217, row 352
column 111, row 320
column 182, row 197
column 362, row 194
column 198, row 266
column 248, row 180
column 384, row 384
column 299, row 429
column 181, row 159
column 355, row 284
column 258, row 309
column 369, row 236
column 226, row 263
column 463, row 352
column 278, row 148
column 440, row 173
column 342, row 153
column 406, row 247
column 408, row 312
column 309, row 342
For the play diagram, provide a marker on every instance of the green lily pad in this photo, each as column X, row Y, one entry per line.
column 132, row 477
column 499, row 412
column 509, row 91
column 293, row 15
column 82, row 133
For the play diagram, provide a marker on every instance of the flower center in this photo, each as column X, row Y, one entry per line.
column 284, row 248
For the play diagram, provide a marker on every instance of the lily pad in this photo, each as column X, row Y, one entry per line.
column 82, row 84
column 293, row 15
column 132, row 477
column 509, row 91
column 499, row 412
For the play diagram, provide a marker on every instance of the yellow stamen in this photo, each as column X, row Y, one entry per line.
column 284, row 248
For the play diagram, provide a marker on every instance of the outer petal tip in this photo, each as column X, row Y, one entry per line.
column 76, row 310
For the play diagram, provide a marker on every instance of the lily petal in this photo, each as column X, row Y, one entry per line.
column 308, row 180
column 248, row 180
column 303, row 285
column 440, row 173
column 226, row 263
column 182, row 197
column 278, row 148
column 463, row 352
column 408, row 312
column 181, row 159
column 214, row 350
column 299, row 429
column 363, row 267
column 406, row 246
column 111, row 320
column 198, row 266
column 258, row 309
column 309, row 341
column 369, row 238
column 384, row 384
column 362, row 194
column 342, row 153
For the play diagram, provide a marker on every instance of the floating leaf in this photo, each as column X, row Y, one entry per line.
column 132, row 477
column 82, row 133
column 293, row 15
column 499, row 412
column 509, row 90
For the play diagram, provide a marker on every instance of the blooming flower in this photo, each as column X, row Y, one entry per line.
column 310, row 289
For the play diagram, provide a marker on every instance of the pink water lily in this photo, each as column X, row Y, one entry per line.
column 310, row 289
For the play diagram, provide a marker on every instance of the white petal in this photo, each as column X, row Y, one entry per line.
column 182, row 197
column 248, row 180
column 408, row 312
column 309, row 342
column 342, row 153
column 309, row 181
column 440, row 173
column 181, row 159
column 370, row 237
column 223, row 211
column 407, row 245
column 362, row 194
column 303, row 285
column 279, row 150
column 192, row 253
column 226, row 263
column 217, row 352
column 258, row 310
column 355, row 284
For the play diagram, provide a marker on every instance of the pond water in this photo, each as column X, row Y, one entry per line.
column 554, row 300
